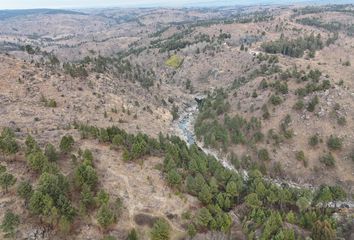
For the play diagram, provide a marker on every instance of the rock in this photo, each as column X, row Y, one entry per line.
column 37, row 234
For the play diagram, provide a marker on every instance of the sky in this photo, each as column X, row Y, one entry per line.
column 29, row 4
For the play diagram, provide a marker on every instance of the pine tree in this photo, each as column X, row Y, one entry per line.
column 105, row 216
column 51, row 153
column 173, row 177
column 323, row 231
column 160, row 230
column 66, row 143
column 24, row 190
column 7, row 180
column 9, row 224
column 205, row 195
column 132, row 235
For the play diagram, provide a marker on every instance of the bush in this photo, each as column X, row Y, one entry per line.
column 266, row 114
column 174, row 112
column 174, row 61
column 300, row 156
column 323, row 231
column 66, row 143
column 328, row 160
column 312, row 104
column 51, row 153
column 37, row 161
column 7, row 180
column 105, row 216
column 313, row 140
column 347, row 64
column 334, row 143
column 51, row 103
column 275, row 100
column 24, row 190
column 173, row 177
column 263, row 84
column 9, row 224
column 342, row 121
column 160, row 230
column 132, row 235
column 299, row 105
column 263, row 155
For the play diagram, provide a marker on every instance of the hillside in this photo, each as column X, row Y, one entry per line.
column 91, row 102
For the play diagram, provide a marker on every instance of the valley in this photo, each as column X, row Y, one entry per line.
column 177, row 123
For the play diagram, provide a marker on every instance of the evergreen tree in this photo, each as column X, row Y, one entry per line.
column 9, row 224
column 105, row 216
column 191, row 230
column 160, row 230
column 203, row 218
column 205, row 195
column 66, row 143
column 323, row 231
column 7, row 180
column 51, row 153
column 173, row 177
column 133, row 235
column 85, row 174
column 37, row 160
column 252, row 200
column 24, row 190
column 31, row 145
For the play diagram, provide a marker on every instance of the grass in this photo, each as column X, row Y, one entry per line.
column 174, row 61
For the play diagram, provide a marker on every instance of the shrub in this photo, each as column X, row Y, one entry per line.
column 334, row 143
column 300, row 156
column 51, row 103
column 9, row 224
column 342, row 121
column 312, row 104
column 254, row 94
column 174, row 112
column 275, row 100
column 66, row 143
column 263, row 155
column 263, row 84
column 266, row 114
column 299, row 105
column 51, row 153
column 37, row 160
column 160, row 230
column 7, row 180
column 24, row 190
column 191, row 230
column 258, row 136
column 328, row 160
column 174, row 61
column 133, row 235
column 323, row 231
column 313, row 140
column 173, row 177
column 347, row 64
column 105, row 216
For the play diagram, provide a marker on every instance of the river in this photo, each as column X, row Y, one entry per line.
column 184, row 128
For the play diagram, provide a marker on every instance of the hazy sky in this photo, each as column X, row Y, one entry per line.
column 22, row 4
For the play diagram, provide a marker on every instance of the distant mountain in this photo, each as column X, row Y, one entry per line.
column 218, row 3
column 5, row 14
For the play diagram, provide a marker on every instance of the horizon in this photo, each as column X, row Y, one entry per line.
column 67, row 4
